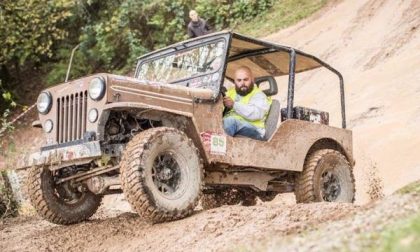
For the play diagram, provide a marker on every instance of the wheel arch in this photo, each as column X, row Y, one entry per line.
column 329, row 143
column 180, row 120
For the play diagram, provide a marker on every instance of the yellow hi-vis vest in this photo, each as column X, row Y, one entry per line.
column 231, row 93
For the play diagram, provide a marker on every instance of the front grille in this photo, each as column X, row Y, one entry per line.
column 71, row 117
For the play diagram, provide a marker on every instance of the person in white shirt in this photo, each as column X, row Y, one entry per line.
column 247, row 107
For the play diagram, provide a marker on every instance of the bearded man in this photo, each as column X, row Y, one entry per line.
column 247, row 107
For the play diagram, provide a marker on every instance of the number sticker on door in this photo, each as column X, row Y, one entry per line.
column 218, row 145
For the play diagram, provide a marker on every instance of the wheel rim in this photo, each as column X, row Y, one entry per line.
column 166, row 174
column 67, row 193
column 331, row 188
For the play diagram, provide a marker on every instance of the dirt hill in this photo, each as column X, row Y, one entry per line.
column 376, row 45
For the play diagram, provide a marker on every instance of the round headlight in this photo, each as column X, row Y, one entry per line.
column 96, row 88
column 48, row 126
column 93, row 115
column 43, row 103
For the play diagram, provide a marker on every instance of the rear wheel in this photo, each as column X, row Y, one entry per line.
column 161, row 174
column 327, row 176
column 59, row 203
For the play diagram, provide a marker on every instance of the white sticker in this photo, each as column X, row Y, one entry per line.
column 218, row 145
column 315, row 118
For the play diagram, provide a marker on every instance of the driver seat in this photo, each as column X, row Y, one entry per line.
column 274, row 113
column 272, row 119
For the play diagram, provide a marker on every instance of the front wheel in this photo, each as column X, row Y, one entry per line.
column 326, row 176
column 59, row 203
column 162, row 174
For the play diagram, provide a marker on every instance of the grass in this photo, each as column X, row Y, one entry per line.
column 411, row 188
column 404, row 235
column 282, row 14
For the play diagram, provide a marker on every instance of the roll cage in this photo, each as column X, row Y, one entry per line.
column 265, row 57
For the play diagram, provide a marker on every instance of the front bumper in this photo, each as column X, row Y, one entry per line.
column 64, row 156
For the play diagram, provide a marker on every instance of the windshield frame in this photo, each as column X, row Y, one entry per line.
column 187, row 46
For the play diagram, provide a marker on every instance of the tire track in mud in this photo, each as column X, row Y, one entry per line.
column 213, row 230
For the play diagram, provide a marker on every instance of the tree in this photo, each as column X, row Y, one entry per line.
column 29, row 31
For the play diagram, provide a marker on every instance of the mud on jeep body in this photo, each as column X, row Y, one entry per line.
column 158, row 136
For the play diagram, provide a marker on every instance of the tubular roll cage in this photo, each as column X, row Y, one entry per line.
column 271, row 47
column 268, row 48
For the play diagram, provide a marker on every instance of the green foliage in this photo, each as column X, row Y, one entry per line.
column 229, row 13
column 30, row 29
column 283, row 13
column 400, row 236
column 7, row 102
column 38, row 36
column 5, row 128
column 411, row 188
column 118, row 32
column 57, row 71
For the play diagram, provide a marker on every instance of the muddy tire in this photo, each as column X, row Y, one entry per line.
column 229, row 196
column 162, row 174
column 57, row 204
column 327, row 176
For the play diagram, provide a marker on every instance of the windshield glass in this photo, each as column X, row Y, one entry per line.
column 179, row 66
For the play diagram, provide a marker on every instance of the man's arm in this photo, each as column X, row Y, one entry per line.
column 256, row 109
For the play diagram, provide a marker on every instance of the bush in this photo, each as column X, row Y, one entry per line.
column 112, row 33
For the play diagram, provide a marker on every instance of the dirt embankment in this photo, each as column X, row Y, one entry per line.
column 376, row 45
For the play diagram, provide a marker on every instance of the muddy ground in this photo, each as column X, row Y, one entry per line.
column 213, row 230
column 280, row 225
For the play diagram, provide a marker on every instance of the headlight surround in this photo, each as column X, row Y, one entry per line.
column 48, row 126
column 93, row 115
column 44, row 102
column 97, row 88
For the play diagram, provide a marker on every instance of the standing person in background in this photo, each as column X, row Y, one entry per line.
column 197, row 26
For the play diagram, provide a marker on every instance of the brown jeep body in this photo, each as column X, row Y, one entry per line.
column 130, row 105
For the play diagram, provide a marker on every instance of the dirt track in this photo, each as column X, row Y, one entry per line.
column 376, row 45
column 280, row 225
column 213, row 230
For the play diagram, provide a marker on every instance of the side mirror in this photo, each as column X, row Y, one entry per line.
column 267, row 84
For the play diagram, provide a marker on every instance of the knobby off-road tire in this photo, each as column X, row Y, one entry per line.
column 228, row 196
column 162, row 174
column 326, row 176
column 49, row 202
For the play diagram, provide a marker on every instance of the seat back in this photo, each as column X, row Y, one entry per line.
column 272, row 119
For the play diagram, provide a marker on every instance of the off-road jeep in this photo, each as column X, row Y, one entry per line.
column 158, row 136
